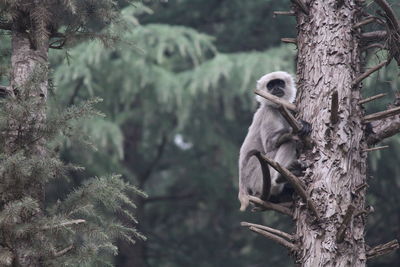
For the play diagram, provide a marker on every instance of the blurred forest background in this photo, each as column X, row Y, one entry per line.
column 178, row 99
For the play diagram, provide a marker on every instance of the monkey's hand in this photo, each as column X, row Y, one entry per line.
column 305, row 129
column 286, row 137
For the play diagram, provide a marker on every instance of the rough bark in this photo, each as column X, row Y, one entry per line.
column 26, row 62
column 329, row 61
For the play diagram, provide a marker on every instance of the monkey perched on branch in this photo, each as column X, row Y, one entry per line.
column 270, row 135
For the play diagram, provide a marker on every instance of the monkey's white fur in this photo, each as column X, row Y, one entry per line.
column 267, row 127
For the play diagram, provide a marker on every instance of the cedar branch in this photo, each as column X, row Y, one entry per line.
column 360, row 187
column 63, row 224
column 383, row 129
column 375, row 148
column 345, row 223
column 276, row 100
column 271, row 206
column 302, row 6
column 381, row 114
column 369, row 99
column 63, row 251
column 279, row 240
column 389, row 13
column 369, row 72
column 382, row 249
column 368, row 37
column 284, row 13
column 269, row 229
column 294, row 181
column 290, row 119
column 289, row 40
column 364, row 22
column 295, row 125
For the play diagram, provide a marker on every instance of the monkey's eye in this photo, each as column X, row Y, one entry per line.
column 277, row 83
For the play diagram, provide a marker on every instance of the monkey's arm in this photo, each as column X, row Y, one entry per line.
column 289, row 136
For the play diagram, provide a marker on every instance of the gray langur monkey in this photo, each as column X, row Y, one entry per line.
column 265, row 136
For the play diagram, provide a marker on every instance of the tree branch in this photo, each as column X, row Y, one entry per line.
column 364, row 22
column 369, row 72
column 63, row 251
column 382, row 249
column 302, row 6
column 369, row 99
column 153, row 164
column 63, row 224
column 271, row 206
column 381, row 114
column 335, row 107
column 368, row 37
column 383, row 129
column 295, row 125
column 290, row 119
column 375, row 148
column 276, row 100
column 289, row 40
column 269, row 229
column 294, row 181
column 273, row 237
column 284, row 13
column 389, row 13
column 345, row 223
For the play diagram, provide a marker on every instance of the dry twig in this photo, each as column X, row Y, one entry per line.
column 383, row 249
column 271, row 206
column 345, row 223
column 276, row 100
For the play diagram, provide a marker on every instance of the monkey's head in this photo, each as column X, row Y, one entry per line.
column 278, row 83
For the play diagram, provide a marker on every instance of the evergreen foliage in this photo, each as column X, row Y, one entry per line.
column 85, row 222
column 174, row 106
column 81, row 227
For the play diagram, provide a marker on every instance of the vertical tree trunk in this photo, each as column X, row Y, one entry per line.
column 329, row 60
column 29, row 72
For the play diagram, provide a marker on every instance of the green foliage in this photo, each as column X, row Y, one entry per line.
column 88, row 221
column 153, row 92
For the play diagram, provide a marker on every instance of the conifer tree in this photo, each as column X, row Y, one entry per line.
column 330, row 211
column 76, row 230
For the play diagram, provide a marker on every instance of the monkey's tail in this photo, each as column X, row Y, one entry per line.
column 265, row 175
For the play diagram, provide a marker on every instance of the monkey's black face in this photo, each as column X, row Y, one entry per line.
column 276, row 87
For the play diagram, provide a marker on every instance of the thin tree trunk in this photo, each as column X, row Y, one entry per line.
column 29, row 72
column 328, row 61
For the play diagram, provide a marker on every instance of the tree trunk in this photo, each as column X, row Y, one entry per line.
column 328, row 61
column 29, row 72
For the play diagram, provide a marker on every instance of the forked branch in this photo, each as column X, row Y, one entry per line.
column 277, row 239
column 269, row 229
